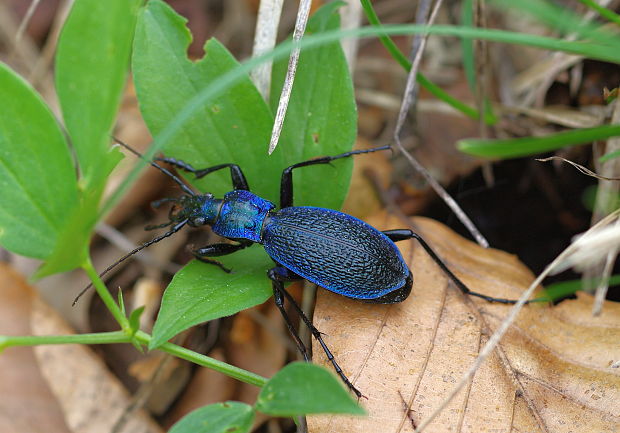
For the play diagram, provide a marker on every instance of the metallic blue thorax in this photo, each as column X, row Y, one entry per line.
column 242, row 215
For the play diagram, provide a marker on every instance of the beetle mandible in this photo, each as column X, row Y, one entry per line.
column 332, row 249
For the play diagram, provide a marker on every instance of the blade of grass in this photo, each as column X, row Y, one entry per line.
column 602, row 11
column 561, row 19
column 395, row 52
column 409, row 97
column 516, row 147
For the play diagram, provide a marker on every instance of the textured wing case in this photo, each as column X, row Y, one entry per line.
column 334, row 250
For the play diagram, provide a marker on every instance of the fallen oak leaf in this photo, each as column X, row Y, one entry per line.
column 552, row 371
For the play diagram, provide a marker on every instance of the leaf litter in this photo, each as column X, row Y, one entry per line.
column 551, row 372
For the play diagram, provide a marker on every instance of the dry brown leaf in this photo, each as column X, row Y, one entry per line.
column 75, row 387
column 26, row 402
column 553, row 371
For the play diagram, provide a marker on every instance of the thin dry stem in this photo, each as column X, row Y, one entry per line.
column 579, row 167
column 300, row 27
column 408, row 100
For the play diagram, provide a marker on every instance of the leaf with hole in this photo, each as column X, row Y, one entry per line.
column 233, row 127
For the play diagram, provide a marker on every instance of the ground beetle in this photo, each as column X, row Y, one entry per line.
column 329, row 248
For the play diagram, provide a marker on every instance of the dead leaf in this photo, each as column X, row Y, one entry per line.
column 56, row 388
column 26, row 400
column 551, row 373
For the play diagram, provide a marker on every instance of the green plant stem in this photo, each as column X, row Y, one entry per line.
column 205, row 361
column 140, row 337
column 105, row 295
column 37, row 340
column 395, row 52
column 130, row 335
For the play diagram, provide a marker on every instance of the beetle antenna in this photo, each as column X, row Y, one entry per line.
column 164, row 170
column 172, row 231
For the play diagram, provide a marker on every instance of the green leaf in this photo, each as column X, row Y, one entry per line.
column 71, row 247
column 134, row 319
column 121, row 302
column 233, row 127
column 38, row 186
column 516, row 147
column 229, row 417
column 321, row 118
column 303, row 388
column 91, row 71
column 134, row 325
column 201, row 292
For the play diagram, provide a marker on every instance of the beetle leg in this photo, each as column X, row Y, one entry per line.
column 216, row 250
column 278, row 290
column 278, row 274
column 404, row 234
column 286, row 183
column 236, row 174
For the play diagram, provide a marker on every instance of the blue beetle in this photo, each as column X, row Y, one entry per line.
column 334, row 250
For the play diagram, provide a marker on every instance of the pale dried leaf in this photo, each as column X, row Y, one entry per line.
column 26, row 401
column 91, row 398
column 552, row 371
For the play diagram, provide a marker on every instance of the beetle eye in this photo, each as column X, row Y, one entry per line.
column 198, row 221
